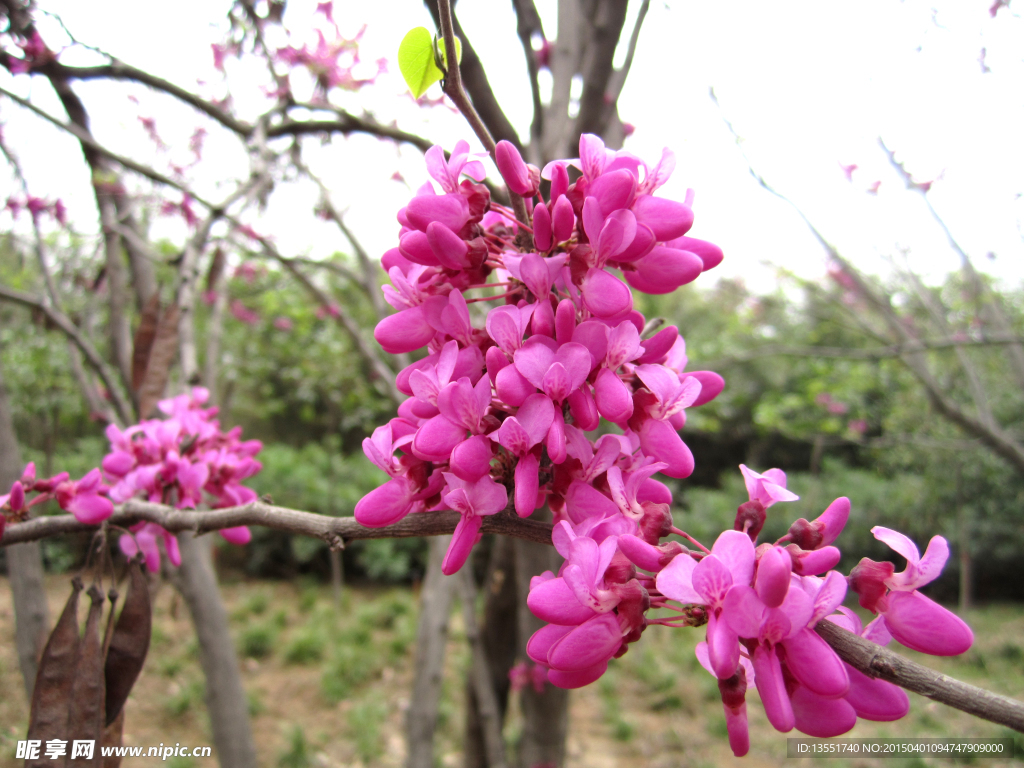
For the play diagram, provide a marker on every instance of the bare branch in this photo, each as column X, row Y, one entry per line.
column 619, row 77
column 331, row 529
column 476, row 83
column 58, row 318
column 605, row 21
column 528, row 24
column 118, row 70
column 346, row 124
column 453, row 87
column 875, row 661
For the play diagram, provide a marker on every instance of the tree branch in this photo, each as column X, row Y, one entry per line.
column 528, row 24
column 63, row 322
column 334, row 530
column 475, row 80
column 453, row 87
column 875, row 661
column 606, row 22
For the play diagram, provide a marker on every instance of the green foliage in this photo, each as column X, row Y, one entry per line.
column 297, row 754
column 257, row 641
column 364, row 720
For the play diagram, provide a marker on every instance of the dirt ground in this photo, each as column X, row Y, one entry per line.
column 328, row 685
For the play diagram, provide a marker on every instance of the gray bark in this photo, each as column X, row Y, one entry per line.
column 480, row 675
column 545, row 715
column 225, row 696
column 431, row 638
column 24, row 563
column 500, row 637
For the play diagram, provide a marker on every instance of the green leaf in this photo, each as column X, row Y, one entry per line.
column 416, row 61
column 418, row 57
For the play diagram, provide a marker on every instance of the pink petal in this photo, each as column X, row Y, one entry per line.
column 404, row 331
column 553, row 601
column 583, row 408
column 711, row 385
column 668, row 219
column 613, row 398
column 773, row 572
column 736, row 551
column 239, row 535
column 875, row 699
column 675, row 581
column 604, row 295
column 527, row 484
column 772, row 689
column 589, row 644
column 513, row 169
column 563, row 220
column 539, row 644
column 437, row 438
column 723, row 648
column 813, row 662
column 512, row 387
column 709, row 253
column 898, row 542
column 659, row 440
column 463, row 539
column 613, row 190
column 576, row 678
column 535, row 415
column 663, row 270
column 90, row 508
column 925, row 626
column 821, row 717
column 384, row 505
column 449, row 249
column 452, row 210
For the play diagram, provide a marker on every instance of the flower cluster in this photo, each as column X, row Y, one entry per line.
column 510, row 403
column 509, row 400
column 85, row 499
column 174, row 461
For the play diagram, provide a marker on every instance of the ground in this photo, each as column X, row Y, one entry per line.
column 328, row 683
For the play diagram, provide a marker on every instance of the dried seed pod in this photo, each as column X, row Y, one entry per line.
column 85, row 711
column 52, row 692
column 129, row 642
column 113, row 737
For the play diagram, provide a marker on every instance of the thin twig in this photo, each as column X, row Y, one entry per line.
column 331, row 529
column 453, row 88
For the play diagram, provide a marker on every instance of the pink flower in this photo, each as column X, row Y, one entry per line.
column 916, row 621
column 472, row 500
column 767, row 488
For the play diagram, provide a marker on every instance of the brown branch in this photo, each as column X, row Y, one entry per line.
column 619, row 78
column 474, row 78
column 118, row 70
column 63, row 322
column 346, row 124
column 453, row 88
column 91, row 143
column 528, row 24
column 605, row 28
column 331, row 529
column 875, row 661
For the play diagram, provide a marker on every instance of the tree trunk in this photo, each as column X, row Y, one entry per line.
column 545, row 715
column 225, row 696
column 500, row 635
column 431, row 637
column 24, row 563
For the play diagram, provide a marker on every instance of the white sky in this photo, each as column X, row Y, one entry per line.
column 807, row 84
